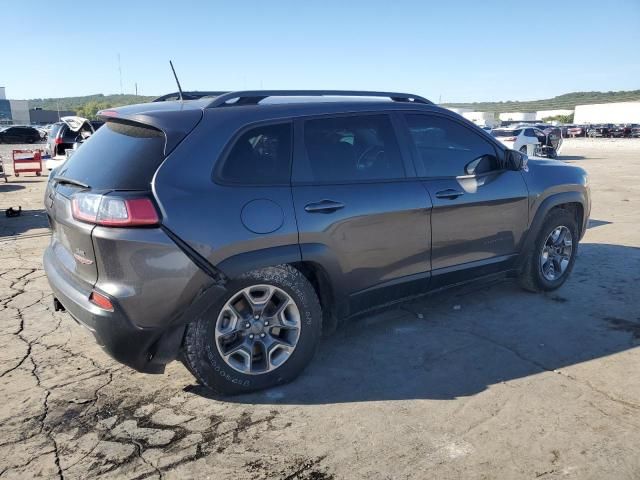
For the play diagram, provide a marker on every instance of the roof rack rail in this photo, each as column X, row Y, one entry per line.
column 252, row 97
column 195, row 95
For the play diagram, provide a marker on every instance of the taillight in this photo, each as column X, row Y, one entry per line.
column 112, row 211
column 509, row 139
column 58, row 140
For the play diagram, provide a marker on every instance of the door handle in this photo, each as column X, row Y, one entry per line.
column 323, row 206
column 449, row 193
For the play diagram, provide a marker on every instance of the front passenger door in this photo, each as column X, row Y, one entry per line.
column 480, row 209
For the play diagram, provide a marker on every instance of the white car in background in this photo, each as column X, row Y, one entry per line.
column 519, row 138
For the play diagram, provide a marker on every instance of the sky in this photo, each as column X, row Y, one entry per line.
column 449, row 51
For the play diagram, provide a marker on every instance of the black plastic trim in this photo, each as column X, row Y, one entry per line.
column 201, row 262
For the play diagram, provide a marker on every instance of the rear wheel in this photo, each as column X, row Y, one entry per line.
column 550, row 261
column 263, row 333
column 523, row 149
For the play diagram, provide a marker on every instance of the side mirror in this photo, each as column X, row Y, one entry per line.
column 517, row 160
column 482, row 164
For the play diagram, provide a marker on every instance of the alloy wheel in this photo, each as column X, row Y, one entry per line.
column 556, row 253
column 258, row 329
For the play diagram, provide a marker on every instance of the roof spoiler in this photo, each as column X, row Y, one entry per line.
column 175, row 124
column 252, row 97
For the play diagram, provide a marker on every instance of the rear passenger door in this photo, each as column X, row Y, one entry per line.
column 360, row 215
column 480, row 209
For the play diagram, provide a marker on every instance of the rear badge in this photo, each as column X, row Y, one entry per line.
column 80, row 256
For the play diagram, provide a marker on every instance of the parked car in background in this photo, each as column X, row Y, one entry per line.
column 19, row 134
column 620, row 131
column 64, row 135
column 577, row 131
column 319, row 210
column 600, row 130
column 518, row 138
column 545, row 144
column 635, row 130
column 43, row 132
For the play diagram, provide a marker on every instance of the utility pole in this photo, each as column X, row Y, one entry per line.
column 136, row 89
column 120, row 73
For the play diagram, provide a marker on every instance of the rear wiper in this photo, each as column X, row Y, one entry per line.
column 69, row 181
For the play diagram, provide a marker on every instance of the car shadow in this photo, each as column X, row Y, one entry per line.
column 597, row 223
column 27, row 221
column 459, row 343
column 20, row 180
column 9, row 187
column 573, row 157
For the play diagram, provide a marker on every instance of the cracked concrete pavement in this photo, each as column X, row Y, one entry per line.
column 485, row 381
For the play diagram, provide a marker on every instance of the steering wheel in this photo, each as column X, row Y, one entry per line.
column 361, row 164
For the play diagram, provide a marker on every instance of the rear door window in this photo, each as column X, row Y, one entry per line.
column 118, row 156
column 350, row 149
column 260, row 156
column 445, row 148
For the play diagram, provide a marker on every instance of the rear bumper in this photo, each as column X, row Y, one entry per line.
column 122, row 340
column 145, row 348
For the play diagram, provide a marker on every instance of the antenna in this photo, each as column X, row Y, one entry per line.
column 177, row 81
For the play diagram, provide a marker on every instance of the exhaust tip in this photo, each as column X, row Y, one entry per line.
column 57, row 306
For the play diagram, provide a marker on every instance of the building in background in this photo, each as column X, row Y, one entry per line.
column 38, row 116
column 483, row 119
column 20, row 112
column 5, row 108
column 17, row 112
column 518, row 116
column 622, row 112
column 542, row 114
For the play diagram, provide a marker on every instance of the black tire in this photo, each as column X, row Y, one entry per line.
column 530, row 277
column 203, row 360
column 523, row 149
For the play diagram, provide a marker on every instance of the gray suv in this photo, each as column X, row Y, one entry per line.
column 231, row 232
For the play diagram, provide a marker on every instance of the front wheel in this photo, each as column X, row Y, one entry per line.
column 262, row 333
column 551, row 258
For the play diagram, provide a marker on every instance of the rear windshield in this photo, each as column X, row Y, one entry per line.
column 118, row 156
column 506, row 133
column 54, row 130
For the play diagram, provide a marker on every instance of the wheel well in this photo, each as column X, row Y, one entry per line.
column 576, row 209
column 319, row 279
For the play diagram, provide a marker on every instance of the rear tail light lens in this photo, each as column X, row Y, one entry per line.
column 112, row 211
column 101, row 301
column 510, row 139
column 58, row 141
